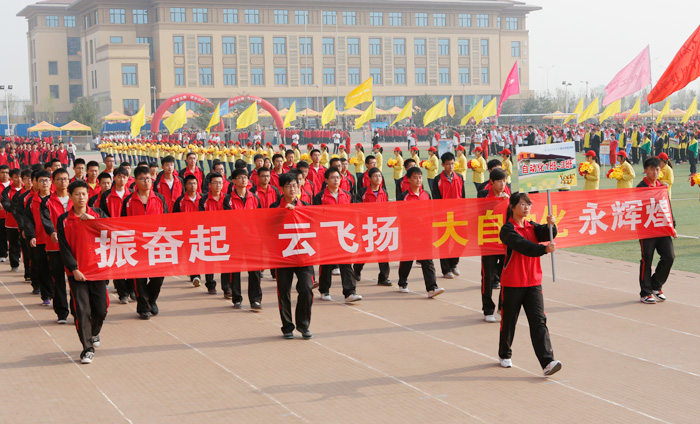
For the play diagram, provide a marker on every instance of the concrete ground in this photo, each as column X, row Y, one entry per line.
column 392, row 357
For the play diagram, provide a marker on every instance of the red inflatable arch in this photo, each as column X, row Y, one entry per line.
column 261, row 102
column 184, row 97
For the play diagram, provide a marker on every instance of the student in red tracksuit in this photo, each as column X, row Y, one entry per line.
column 317, row 171
column 4, row 183
column 104, row 181
column 19, row 202
column 89, row 298
column 285, row 276
column 288, row 160
column 521, row 282
column 266, row 192
column 277, row 170
column 145, row 201
column 334, row 195
column 374, row 193
column 192, row 169
column 189, row 202
column 448, row 185
column 415, row 193
column 216, row 200
column 242, row 198
column 306, row 186
column 34, row 231
column 93, row 170
column 12, row 231
column 168, row 184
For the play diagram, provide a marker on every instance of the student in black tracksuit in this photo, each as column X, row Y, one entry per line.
column 521, row 282
column 448, row 185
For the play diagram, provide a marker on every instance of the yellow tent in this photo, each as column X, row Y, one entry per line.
column 284, row 112
column 395, row 110
column 556, row 115
column 116, row 116
column 351, row 112
column 75, row 126
column 308, row 112
column 190, row 114
column 381, row 112
column 676, row 113
column 43, row 126
column 649, row 114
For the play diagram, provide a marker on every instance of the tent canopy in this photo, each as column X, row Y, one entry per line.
column 557, row 115
column 308, row 112
column 75, row 126
column 116, row 116
column 43, row 126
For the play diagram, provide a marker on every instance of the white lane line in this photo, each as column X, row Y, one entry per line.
column 80, row 368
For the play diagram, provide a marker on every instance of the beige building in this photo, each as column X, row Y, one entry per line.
column 124, row 53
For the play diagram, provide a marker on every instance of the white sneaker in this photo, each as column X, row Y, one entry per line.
column 455, row 271
column 61, row 321
column 326, row 297
column 3, row 259
column 506, row 363
column 659, row 295
column 449, row 275
column 438, row 291
column 552, row 368
column 403, row 289
column 87, row 358
column 96, row 341
column 490, row 318
column 353, row 298
column 196, row 281
column 336, row 271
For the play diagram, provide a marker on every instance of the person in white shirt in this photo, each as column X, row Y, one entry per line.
column 336, row 141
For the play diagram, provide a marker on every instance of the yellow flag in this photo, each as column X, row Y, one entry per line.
column 692, row 110
column 215, row 117
column 138, row 121
column 370, row 113
column 479, row 111
column 328, row 114
column 406, row 112
column 634, row 111
column 362, row 93
column 451, row 106
column 177, row 120
column 577, row 111
column 479, row 107
column 591, row 110
column 248, row 117
column 435, row 112
column 489, row 110
column 291, row 116
column 609, row 111
column 666, row 109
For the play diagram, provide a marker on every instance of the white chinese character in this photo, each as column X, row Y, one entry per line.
column 294, row 239
column 388, row 236
column 344, row 232
column 117, row 249
column 205, row 244
column 627, row 213
column 163, row 252
column 593, row 219
column 659, row 214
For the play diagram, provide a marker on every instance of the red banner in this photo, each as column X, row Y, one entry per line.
column 232, row 241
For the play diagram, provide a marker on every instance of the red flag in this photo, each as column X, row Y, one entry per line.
column 512, row 87
column 684, row 68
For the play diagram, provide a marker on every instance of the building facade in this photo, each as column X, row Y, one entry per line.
column 129, row 53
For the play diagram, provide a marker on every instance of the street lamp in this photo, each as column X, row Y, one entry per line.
column 547, row 68
column 7, row 107
column 464, row 97
column 153, row 107
column 586, row 96
column 566, row 94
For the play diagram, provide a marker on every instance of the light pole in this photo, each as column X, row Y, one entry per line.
column 7, row 107
column 566, row 94
column 586, row 96
column 153, row 107
column 547, row 68
column 464, row 97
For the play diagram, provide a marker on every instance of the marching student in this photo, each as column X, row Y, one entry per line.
column 434, row 168
column 316, row 171
column 216, row 200
column 258, row 162
column 507, row 164
column 267, row 193
column 104, row 181
column 359, row 163
column 592, row 178
column 189, row 202
column 277, row 169
column 305, row 189
column 347, row 181
column 19, row 202
column 415, row 193
column 5, row 182
column 305, row 274
column 666, row 172
column 378, row 151
column 145, row 201
column 461, row 162
column 11, row 225
column 521, row 282
column 448, row 185
column 34, row 231
column 627, row 180
column 93, row 170
column 478, row 173
column 289, row 162
column 89, row 298
column 191, row 168
column 168, row 184
column 79, row 170
column 398, row 170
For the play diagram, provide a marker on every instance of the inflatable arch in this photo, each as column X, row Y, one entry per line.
column 279, row 122
column 179, row 98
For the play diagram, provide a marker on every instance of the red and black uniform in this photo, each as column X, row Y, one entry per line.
column 51, row 208
column 185, row 203
column 448, row 187
column 367, row 195
column 3, row 215
column 317, row 177
column 347, row 183
column 34, row 229
column 197, row 174
column 92, row 191
column 236, row 202
column 491, row 268
column 427, row 265
column 19, row 202
column 110, row 204
column 521, row 286
column 207, row 204
column 169, row 194
column 11, row 225
column 62, row 155
column 267, row 197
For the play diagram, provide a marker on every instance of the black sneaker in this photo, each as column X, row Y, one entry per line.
column 256, row 306
column 288, row 335
column 306, row 334
column 36, row 291
column 237, row 305
column 358, row 276
column 132, row 295
column 228, row 294
column 211, row 290
column 386, row 283
column 154, row 309
column 145, row 315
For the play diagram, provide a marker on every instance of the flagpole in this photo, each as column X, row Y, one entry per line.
column 551, row 235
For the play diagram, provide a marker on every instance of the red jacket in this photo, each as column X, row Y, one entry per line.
column 34, row 227
column 3, row 213
column 198, row 174
column 267, row 197
column 133, row 206
column 51, row 208
column 409, row 196
column 111, row 203
column 170, row 195
column 443, row 188
column 7, row 195
column 369, row 196
column 185, row 204
column 250, row 201
column 326, row 198
column 62, row 156
column 68, row 237
column 3, row 158
column 207, row 203
column 92, row 191
column 522, row 263
column 317, row 177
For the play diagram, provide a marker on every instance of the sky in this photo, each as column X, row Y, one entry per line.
column 570, row 41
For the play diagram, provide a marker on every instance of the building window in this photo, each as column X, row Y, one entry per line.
column 180, row 76
column 256, row 45
column 229, row 45
column 400, row 76
column 229, row 76
column 484, row 47
column 230, row 16
column 75, row 91
column 464, row 76
column 329, row 76
column 53, row 91
column 330, row 18
column 115, row 40
column 204, row 44
column 200, row 15
column 439, row 19
column 399, row 46
column 69, row 21
column 73, row 46
column 376, row 74
column 463, row 47
column 256, row 76
column 482, row 21
column 484, row 75
column 177, row 44
column 131, row 106
column 515, row 48
column 52, row 21
column 301, row 17
column 421, row 19
column 375, row 46
column 117, row 16
column 512, row 23
column 74, row 70
column 444, row 74
column 349, row 18
column 149, row 41
column 444, row 46
column 305, row 46
column 280, row 76
column 395, row 19
column 353, row 76
column 140, row 16
column 420, row 76
column 281, row 17
column 419, row 47
column 328, row 46
column 307, row 76
column 465, row 20
column 53, row 68
column 376, row 18
column 178, row 14
column 129, row 76
column 252, row 16
column 353, row 46
column 279, row 45
column 205, row 76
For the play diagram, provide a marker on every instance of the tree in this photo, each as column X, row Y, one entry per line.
column 202, row 115
column 420, row 106
column 85, row 111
